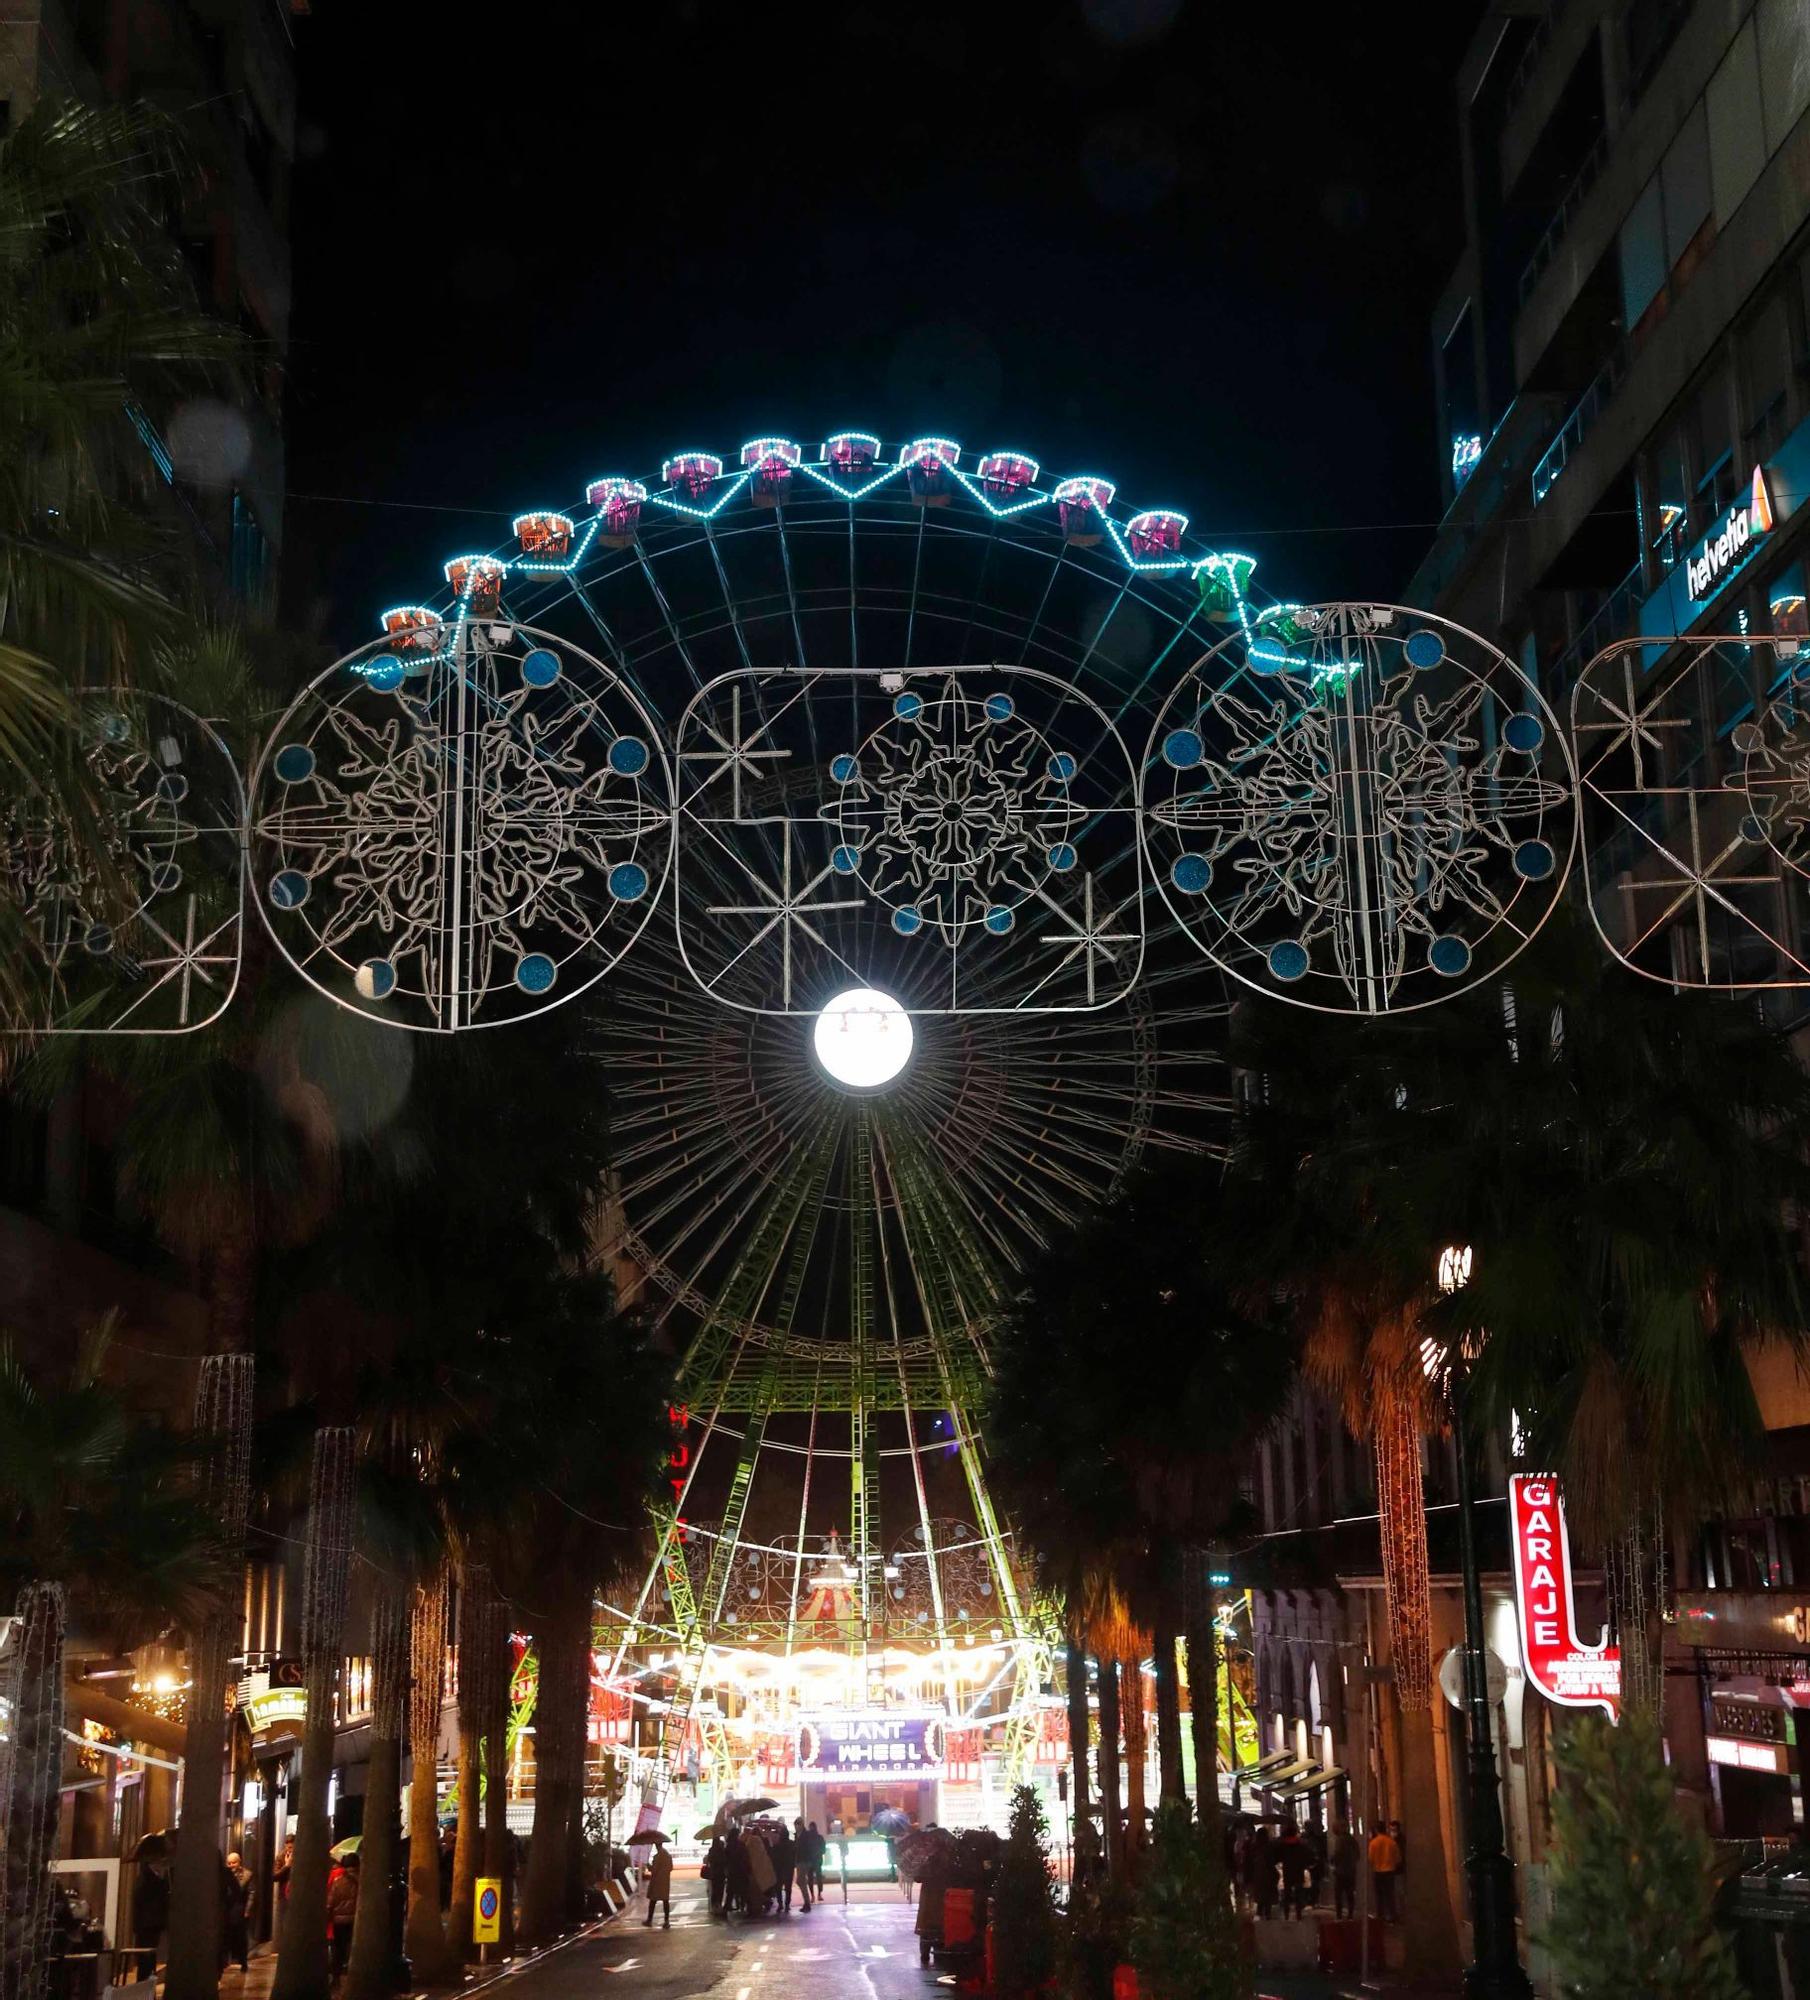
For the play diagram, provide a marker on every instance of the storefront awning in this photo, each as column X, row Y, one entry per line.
column 1315, row 1782
column 1253, row 1773
column 1295, row 1768
column 83, row 1700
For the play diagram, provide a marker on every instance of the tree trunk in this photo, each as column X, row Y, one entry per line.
column 1171, row 1777
column 304, row 1970
column 370, row 1970
column 1131, row 1710
column 1203, row 1718
column 1111, row 1799
column 563, row 1648
column 31, row 1768
column 222, row 1429
column 499, row 1855
column 1430, row 1928
column 1077, row 1737
column 474, row 1590
column 424, row 1933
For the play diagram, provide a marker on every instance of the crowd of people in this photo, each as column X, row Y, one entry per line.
column 756, row 1868
column 1285, row 1867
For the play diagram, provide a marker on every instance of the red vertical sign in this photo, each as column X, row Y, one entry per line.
column 1558, row 1664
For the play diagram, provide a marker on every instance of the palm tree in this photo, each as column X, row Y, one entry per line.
column 1129, row 1388
column 303, row 1971
column 98, row 319
column 1631, row 1166
column 100, row 1533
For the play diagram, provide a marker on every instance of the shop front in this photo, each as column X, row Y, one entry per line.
column 1751, row 1655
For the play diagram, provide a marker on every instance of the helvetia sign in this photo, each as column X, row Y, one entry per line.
column 1727, row 547
column 1558, row 1664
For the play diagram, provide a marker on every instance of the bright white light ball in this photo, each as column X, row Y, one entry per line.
column 862, row 1038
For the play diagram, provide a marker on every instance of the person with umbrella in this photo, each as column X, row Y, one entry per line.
column 715, row 1869
column 761, row 1878
column 659, row 1883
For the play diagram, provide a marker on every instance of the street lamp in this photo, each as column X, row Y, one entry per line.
column 1495, row 1972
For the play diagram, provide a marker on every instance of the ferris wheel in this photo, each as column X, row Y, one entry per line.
column 863, row 726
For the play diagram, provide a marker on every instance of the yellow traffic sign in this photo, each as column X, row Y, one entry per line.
column 487, row 1911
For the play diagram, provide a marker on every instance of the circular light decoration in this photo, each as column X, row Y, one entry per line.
column 862, row 1038
column 469, row 843
column 1357, row 807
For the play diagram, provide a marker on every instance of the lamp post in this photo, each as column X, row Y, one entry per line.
column 1495, row 1971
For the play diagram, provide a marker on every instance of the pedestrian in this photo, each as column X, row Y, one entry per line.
column 1316, row 1862
column 449, row 1841
column 785, row 1867
column 1260, row 1870
column 760, row 1871
column 715, row 1871
column 659, row 1885
column 280, row 1874
column 151, row 1906
column 736, row 1897
column 1296, row 1864
column 342, row 1909
column 1342, row 1853
column 801, row 1844
column 236, row 1931
column 814, row 1866
column 1385, row 1869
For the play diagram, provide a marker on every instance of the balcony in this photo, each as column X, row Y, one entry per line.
column 1582, row 420
column 1559, row 227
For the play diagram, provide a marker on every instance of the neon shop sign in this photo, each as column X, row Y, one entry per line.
column 1559, row 1665
column 1728, row 545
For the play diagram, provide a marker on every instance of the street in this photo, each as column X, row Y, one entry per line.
column 864, row 1951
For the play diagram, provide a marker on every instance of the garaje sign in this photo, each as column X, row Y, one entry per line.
column 1558, row 1664
column 1727, row 546
column 898, row 1745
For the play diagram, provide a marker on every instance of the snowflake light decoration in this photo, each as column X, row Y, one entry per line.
column 472, row 837
column 1694, row 775
column 134, row 911
column 1358, row 807
column 965, row 839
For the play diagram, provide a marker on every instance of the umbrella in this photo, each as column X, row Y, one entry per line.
column 350, row 1845
column 154, row 1847
column 741, row 1808
column 706, row 1832
column 646, row 1836
column 923, row 1843
column 889, row 1819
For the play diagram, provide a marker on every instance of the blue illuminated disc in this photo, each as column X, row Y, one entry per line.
column 998, row 920
column 165, row 876
column 843, row 768
column 1534, row 860
column 1449, row 956
column 172, row 788
column 384, row 673
column 540, row 670
column 97, row 940
column 628, row 756
column 1062, row 767
column 535, row 972
column 1266, row 657
column 628, row 881
column 289, row 888
column 115, row 728
column 1192, row 874
column 376, row 979
column 1288, row 960
column 908, row 707
column 845, row 860
column 1424, row 648
column 1752, row 827
column 1524, row 732
column 293, row 763
column 999, row 708
column 1061, row 857
column 907, row 921
column 1183, row 749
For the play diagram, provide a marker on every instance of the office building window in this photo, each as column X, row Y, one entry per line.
column 1785, row 610
column 1712, row 452
column 1737, row 142
column 1765, row 381
column 1671, row 490
column 1784, row 27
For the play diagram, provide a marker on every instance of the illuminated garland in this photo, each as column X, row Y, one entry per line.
column 1402, row 1505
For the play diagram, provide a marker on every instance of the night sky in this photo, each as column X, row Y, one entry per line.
column 1192, row 247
